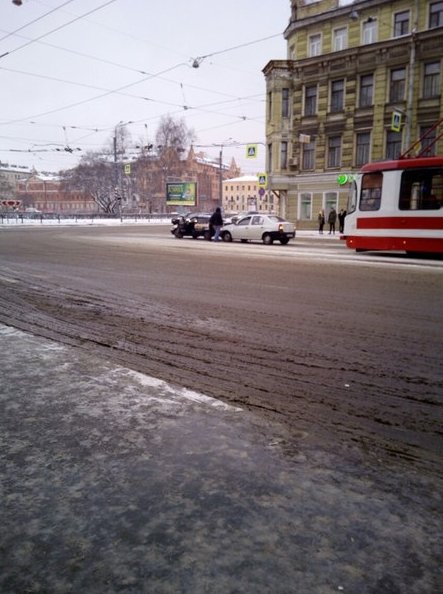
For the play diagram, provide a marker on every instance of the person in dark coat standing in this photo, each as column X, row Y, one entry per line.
column 341, row 220
column 332, row 219
column 216, row 221
column 321, row 221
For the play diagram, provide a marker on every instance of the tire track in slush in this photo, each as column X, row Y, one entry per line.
column 156, row 339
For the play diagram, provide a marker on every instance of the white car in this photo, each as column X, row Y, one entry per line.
column 259, row 227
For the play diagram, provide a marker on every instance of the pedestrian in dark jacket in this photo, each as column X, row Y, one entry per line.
column 216, row 221
column 321, row 221
column 341, row 220
column 332, row 219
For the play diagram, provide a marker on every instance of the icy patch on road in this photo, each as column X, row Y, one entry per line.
column 175, row 392
column 49, row 365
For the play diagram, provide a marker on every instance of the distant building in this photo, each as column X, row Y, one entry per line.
column 362, row 82
column 140, row 183
column 45, row 194
column 241, row 194
column 150, row 174
column 9, row 177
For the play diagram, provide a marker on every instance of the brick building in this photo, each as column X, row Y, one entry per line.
column 44, row 193
column 150, row 174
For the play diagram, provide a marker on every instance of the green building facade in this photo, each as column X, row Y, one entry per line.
column 362, row 82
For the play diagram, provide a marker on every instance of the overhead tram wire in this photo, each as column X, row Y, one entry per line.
column 158, row 75
column 136, row 82
column 197, row 61
column 108, row 92
column 94, row 87
column 35, row 20
column 58, row 28
column 122, row 66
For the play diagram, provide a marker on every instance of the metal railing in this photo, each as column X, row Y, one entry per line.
column 33, row 217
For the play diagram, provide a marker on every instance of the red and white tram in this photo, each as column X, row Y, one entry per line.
column 397, row 205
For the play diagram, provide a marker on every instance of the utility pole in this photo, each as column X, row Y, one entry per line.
column 411, row 81
column 220, row 173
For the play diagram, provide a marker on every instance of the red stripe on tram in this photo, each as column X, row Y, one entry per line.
column 400, row 222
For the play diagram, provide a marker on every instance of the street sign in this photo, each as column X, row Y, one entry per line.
column 261, row 191
column 251, row 151
column 128, row 169
column 396, row 121
column 262, row 180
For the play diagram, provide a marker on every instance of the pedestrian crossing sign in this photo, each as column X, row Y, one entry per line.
column 396, row 121
column 262, row 180
column 251, row 151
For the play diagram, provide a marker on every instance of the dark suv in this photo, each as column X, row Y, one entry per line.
column 193, row 225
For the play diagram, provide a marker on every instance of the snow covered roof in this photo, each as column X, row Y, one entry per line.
column 252, row 179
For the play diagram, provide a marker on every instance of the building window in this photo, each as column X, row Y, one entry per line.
column 363, row 143
column 308, row 160
column 435, row 14
column 401, row 23
column 334, row 151
column 366, row 90
column 393, row 145
column 397, row 85
column 284, row 155
column 340, row 39
column 331, row 199
column 285, row 103
column 311, row 100
column 270, row 156
column 314, row 45
column 269, row 106
column 337, row 95
column 369, row 31
column 305, row 207
column 427, row 144
column 431, row 80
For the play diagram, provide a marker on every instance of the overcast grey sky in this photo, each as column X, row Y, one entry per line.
column 68, row 77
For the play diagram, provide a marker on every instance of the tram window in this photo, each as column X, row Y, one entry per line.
column 421, row 189
column 370, row 196
column 352, row 198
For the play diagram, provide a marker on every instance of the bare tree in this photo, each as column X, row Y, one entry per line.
column 94, row 176
column 173, row 134
column 172, row 138
column 99, row 174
